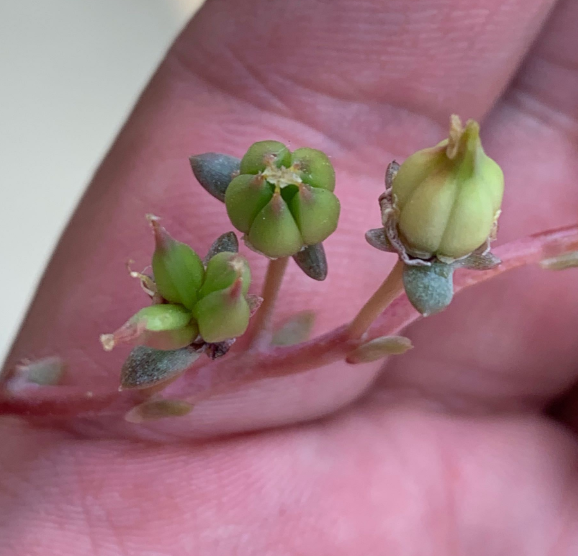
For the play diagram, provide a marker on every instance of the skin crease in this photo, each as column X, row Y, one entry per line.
column 447, row 450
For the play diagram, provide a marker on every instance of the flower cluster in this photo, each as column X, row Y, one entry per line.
column 283, row 201
column 192, row 302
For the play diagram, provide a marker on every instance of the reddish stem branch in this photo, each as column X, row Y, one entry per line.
column 225, row 374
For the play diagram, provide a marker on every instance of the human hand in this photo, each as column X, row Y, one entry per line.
column 446, row 450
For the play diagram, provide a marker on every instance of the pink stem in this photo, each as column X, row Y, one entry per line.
column 225, row 374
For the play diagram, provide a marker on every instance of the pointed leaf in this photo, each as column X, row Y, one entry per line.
column 479, row 261
column 312, row 261
column 146, row 366
column 214, row 171
column 226, row 243
column 377, row 238
column 561, row 262
column 379, row 348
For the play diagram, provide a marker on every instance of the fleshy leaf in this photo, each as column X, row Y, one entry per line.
column 214, row 171
column 479, row 261
column 158, row 409
column 378, row 239
column 295, row 330
column 430, row 289
column 226, row 243
column 379, row 348
column 48, row 371
column 147, row 367
column 312, row 261
column 561, row 262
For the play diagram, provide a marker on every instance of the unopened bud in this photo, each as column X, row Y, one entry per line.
column 222, row 270
column 448, row 197
column 223, row 314
column 316, row 212
column 282, row 201
column 163, row 327
column 177, row 269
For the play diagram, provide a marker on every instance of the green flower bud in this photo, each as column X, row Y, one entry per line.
column 223, row 314
column 222, row 270
column 314, row 168
column 316, row 212
column 163, row 327
column 449, row 196
column 274, row 231
column 283, row 202
column 246, row 197
column 264, row 153
column 177, row 269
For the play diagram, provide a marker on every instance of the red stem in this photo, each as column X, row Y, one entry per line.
column 225, row 374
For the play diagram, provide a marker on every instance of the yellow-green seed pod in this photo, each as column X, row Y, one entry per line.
column 274, row 231
column 165, row 327
column 263, row 152
column 245, row 198
column 222, row 270
column 316, row 212
column 314, row 168
column 178, row 270
column 223, row 314
column 448, row 196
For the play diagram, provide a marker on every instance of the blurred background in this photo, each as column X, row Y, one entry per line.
column 70, row 72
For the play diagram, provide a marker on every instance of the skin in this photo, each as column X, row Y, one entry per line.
column 453, row 448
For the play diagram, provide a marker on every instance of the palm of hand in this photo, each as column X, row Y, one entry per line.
column 448, row 450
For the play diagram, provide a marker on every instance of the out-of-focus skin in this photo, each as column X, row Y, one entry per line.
column 448, row 449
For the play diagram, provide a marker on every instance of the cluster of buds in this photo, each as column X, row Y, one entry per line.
column 195, row 302
column 439, row 212
column 283, row 201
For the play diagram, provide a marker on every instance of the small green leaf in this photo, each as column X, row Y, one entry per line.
column 379, row 348
column 158, row 409
column 295, row 330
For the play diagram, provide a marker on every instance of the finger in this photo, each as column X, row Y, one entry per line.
column 188, row 109
column 347, row 68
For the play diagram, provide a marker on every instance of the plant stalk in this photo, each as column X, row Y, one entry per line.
column 391, row 287
column 204, row 381
column 261, row 328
